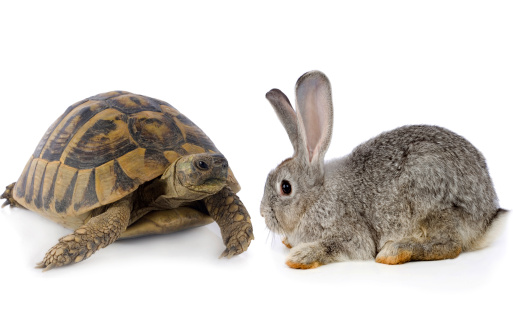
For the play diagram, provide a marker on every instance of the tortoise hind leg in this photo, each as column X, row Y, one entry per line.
column 8, row 196
column 99, row 232
column 166, row 221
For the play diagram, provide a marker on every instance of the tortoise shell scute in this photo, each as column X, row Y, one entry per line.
column 131, row 103
column 157, row 131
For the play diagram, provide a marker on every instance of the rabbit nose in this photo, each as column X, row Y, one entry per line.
column 262, row 210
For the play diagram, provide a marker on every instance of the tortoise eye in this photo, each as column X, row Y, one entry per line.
column 202, row 165
column 286, row 188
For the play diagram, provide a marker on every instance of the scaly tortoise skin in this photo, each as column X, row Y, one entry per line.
column 121, row 165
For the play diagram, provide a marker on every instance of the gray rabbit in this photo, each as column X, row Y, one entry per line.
column 414, row 193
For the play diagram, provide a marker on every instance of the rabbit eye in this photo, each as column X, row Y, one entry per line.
column 286, row 188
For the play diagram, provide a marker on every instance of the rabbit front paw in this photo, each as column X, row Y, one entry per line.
column 285, row 241
column 305, row 256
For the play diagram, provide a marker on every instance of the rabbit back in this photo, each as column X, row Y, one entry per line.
column 419, row 180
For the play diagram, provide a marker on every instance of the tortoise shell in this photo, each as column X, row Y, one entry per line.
column 102, row 149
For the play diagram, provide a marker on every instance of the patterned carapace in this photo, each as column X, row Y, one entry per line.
column 101, row 149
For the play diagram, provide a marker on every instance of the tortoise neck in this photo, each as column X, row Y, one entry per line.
column 148, row 193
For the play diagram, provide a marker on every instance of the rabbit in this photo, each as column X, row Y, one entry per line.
column 418, row 192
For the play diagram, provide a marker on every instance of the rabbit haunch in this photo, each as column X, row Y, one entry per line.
column 414, row 193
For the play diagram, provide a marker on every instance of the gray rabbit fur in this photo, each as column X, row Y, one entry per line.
column 414, row 193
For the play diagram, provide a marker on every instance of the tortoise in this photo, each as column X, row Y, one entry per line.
column 122, row 165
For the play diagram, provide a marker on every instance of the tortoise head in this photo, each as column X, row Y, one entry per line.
column 197, row 175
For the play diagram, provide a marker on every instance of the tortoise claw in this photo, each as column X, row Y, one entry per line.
column 49, row 267
column 223, row 254
column 41, row 265
column 228, row 253
column 249, row 231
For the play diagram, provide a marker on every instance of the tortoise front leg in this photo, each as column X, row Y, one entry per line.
column 233, row 220
column 100, row 231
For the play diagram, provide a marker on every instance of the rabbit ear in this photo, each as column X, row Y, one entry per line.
column 286, row 114
column 315, row 114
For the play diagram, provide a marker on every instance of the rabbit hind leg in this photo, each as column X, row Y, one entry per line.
column 412, row 249
column 438, row 239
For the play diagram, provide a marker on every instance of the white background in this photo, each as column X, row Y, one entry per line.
column 391, row 63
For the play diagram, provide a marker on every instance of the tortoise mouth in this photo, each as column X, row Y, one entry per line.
column 210, row 186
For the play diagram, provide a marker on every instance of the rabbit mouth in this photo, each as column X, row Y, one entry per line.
column 271, row 221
